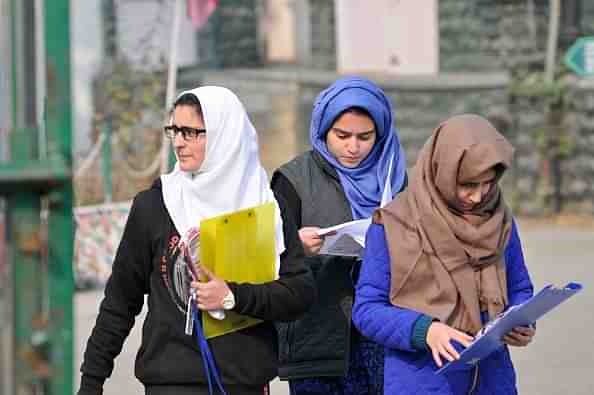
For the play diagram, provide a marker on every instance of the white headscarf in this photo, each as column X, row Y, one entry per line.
column 230, row 178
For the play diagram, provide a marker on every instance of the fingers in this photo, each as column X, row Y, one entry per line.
column 449, row 352
column 310, row 229
column 444, row 350
column 510, row 341
column 525, row 331
column 312, row 242
column 207, row 273
column 439, row 338
column 522, row 333
column 204, row 288
column 312, row 249
column 198, row 285
column 315, row 243
column 522, row 339
column 436, row 358
column 519, row 336
column 207, row 300
column 210, row 294
column 309, row 233
column 462, row 338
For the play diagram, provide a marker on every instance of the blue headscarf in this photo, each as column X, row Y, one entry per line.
column 364, row 184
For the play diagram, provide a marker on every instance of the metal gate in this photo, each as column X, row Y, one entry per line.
column 35, row 182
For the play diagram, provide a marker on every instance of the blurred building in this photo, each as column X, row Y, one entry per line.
column 435, row 58
column 387, row 36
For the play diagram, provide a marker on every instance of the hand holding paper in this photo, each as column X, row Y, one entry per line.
column 520, row 336
column 439, row 340
column 495, row 333
column 311, row 240
column 346, row 239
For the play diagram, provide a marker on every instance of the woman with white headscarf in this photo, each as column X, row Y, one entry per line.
column 217, row 171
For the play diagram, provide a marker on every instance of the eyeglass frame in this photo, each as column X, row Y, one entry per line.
column 188, row 133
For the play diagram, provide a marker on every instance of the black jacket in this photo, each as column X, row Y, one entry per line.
column 167, row 355
column 318, row 344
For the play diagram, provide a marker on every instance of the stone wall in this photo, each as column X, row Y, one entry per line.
column 231, row 37
column 530, row 190
column 280, row 102
column 578, row 168
column 484, row 35
column 474, row 35
column 509, row 35
column 537, row 175
column 323, row 35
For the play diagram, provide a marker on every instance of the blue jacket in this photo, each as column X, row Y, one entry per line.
column 407, row 369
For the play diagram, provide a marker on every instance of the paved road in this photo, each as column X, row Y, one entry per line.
column 559, row 362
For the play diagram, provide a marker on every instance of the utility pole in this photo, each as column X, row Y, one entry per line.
column 110, row 29
column 555, row 12
column 552, row 122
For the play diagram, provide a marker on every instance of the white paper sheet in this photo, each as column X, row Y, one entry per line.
column 347, row 239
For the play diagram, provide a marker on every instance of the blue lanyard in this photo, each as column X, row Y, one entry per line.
column 207, row 359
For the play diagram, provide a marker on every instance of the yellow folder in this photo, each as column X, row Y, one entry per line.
column 238, row 247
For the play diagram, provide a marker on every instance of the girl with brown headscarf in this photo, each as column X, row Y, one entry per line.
column 441, row 260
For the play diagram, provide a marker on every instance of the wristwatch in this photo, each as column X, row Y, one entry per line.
column 229, row 301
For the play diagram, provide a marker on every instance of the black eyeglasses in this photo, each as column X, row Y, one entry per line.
column 187, row 132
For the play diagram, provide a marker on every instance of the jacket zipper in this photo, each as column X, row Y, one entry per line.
column 474, row 380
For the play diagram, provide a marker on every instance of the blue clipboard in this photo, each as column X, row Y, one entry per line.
column 489, row 338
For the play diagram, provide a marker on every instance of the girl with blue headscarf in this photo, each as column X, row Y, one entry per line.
column 356, row 158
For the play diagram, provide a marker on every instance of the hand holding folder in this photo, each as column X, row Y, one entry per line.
column 238, row 247
column 489, row 338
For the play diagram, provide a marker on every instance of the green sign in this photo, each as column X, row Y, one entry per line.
column 580, row 57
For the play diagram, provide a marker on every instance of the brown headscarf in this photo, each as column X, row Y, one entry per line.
column 445, row 262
